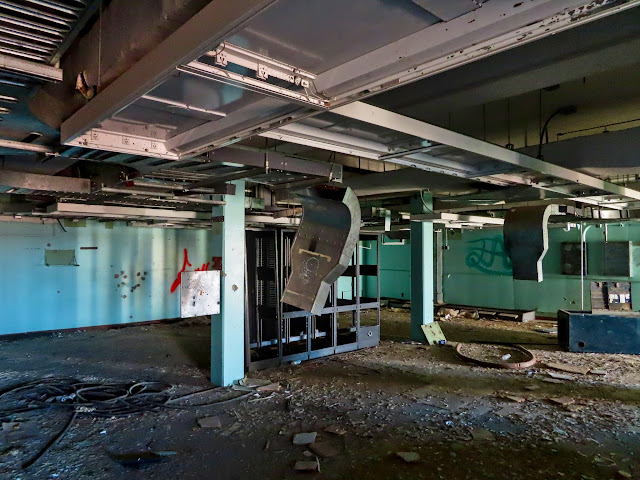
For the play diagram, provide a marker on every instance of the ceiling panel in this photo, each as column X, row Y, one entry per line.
column 313, row 34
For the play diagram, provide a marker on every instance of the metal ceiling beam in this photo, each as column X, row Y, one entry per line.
column 251, row 172
column 296, row 185
column 510, row 205
column 269, row 220
column 350, row 145
column 167, row 196
column 85, row 210
column 276, row 161
column 448, row 218
column 384, row 118
column 288, row 212
column 210, row 26
column 178, row 187
column 34, row 181
column 27, row 147
column 234, row 127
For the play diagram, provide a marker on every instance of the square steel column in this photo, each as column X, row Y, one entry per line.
column 227, row 328
column 421, row 268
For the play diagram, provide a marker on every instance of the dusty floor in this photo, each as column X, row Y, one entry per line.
column 397, row 397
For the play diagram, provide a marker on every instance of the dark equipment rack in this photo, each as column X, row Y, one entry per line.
column 277, row 333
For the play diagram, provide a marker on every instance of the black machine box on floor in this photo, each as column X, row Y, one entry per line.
column 599, row 332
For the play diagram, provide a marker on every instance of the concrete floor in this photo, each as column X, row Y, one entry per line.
column 397, row 397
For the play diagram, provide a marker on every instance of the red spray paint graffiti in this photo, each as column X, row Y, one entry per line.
column 217, row 265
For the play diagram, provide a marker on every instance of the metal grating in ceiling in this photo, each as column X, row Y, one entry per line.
column 36, row 30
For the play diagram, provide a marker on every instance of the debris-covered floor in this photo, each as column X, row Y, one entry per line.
column 451, row 419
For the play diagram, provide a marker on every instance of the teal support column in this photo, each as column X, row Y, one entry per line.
column 227, row 328
column 421, row 268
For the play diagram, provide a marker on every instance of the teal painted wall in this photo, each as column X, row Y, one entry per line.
column 477, row 271
column 368, row 256
column 395, row 270
column 395, row 274
column 36, row 297
column 345, row 287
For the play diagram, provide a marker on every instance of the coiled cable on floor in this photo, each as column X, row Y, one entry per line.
column 96, row 399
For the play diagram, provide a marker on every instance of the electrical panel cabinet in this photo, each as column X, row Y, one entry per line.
column 621, row 259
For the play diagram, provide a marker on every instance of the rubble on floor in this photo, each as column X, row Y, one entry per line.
column 459, row 420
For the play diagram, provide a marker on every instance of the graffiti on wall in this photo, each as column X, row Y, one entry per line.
column 488, row 255
column 214, row 264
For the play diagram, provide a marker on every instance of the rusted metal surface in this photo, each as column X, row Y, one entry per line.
column 323, row 246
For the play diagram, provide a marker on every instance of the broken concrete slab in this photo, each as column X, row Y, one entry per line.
column 240, row 388
column 560, row 376
column 209, row 422
column 548, row 331
column 409, row 457
column 506, row 411
column 482, row 434
column 271, row 387
column 323, row 449
column 422, row 391
column 305, row 438
column 574, row 408
column 564, row 401
column 597, row 371
column 451, row 312
column 236, row 426
column 513, row 398
column 307, row 466
column 565, row 367
column 336, row 430
column 10, row 426
column 253, row 382
column 553, row 380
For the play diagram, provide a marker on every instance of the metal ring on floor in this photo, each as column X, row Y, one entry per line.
column 508, row 365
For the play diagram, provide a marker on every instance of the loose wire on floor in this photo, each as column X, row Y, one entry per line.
column 51, row 442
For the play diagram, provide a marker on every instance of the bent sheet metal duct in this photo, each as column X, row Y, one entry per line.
column 526, row 239
column 322, row 247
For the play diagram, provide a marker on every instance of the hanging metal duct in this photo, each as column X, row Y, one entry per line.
column 323, row 246
column 526, row 239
